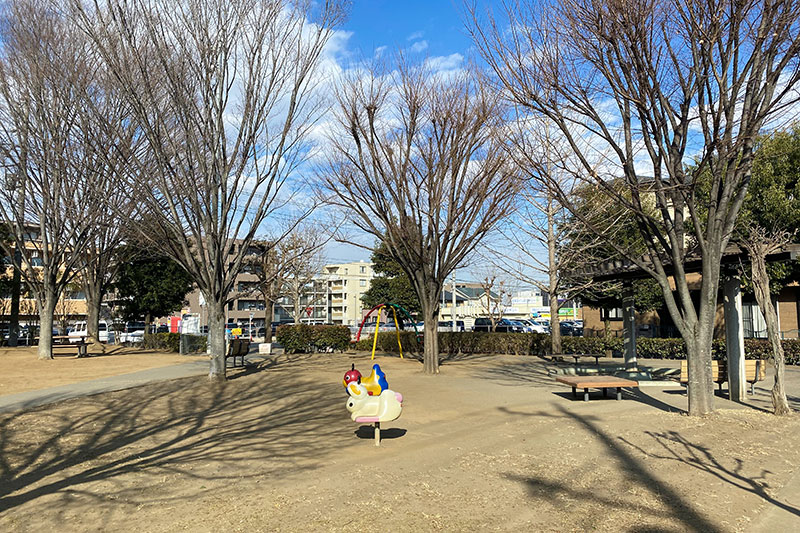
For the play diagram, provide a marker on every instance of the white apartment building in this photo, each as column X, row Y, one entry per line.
column 335, row 297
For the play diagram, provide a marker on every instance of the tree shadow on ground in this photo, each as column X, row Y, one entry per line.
column 680, row 450
column 274, row 424
column 676, row 448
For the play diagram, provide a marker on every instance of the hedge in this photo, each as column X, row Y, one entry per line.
column 171, row 342
column 539, row 344
column 303, row 338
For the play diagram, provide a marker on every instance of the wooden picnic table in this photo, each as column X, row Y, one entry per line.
column 596, row 382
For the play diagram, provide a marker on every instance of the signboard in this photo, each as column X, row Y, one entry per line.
column 309, row 310
column 191, row 324
column 236, row 332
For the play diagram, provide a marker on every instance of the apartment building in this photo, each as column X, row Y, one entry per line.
column 334, row 297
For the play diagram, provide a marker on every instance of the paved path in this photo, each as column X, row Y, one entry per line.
column 783, row 515
column 27, row 400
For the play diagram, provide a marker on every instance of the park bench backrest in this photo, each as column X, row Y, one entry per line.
column 754, row 370
column 234, row 345
column 718, row 373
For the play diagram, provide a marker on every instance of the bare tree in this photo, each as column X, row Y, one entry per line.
column 284, row 267
column 115, row 138
column 642, row 88
column 760, row 243
column 223, row 91
column 417, row 162
column 494, row 299
column 546, row 246
column 50, row 199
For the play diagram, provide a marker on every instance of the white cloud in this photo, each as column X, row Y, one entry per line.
column 416, row 35
column 419, row 46
column 445, row 63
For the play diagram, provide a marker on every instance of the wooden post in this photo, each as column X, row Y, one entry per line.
column 734, row 338
column 629, row 326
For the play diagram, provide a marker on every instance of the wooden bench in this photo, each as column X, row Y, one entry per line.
column 754, row 371
column 596, row 382
column 237, row 348
column 63, row 343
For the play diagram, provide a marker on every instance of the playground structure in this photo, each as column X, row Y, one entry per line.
column 379, row 308
column 372, row 405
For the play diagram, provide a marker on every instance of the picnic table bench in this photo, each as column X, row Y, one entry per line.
column 577, row 357
column 65, row 343
column 754, row 370
column 237, row 348
column 596, row 382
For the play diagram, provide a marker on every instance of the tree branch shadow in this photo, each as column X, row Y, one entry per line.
column 246, row 428
column 679, row 510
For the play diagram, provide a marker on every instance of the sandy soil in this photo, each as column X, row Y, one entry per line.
column 23, row 372
column 489, row 444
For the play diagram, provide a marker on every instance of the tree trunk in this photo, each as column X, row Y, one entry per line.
column 555, row 327
column 761, row 289
column 698, row 356
column 552, row 272
column 16, row 290
column 93, row 298
column 430, row 312
column 268, row 317
column 216, row 340
column 46, row 311
column 296, row 308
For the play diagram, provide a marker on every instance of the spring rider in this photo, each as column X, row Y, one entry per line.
column 370, row 400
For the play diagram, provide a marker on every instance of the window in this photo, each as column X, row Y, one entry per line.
column 250, row 305
column 611, row 314
column 362, row 283
column 362, row 270
column 753, row 321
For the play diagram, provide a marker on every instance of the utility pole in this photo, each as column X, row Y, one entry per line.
column 453, row 314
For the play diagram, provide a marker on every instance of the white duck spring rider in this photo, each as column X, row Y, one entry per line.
column 365, row 408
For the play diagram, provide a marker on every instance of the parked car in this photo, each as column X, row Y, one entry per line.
column 533, row 327
column 504, row 325
column 276, row 325
column 571, row 329
column 132, row 332
column 80, row 331
column 447, row 325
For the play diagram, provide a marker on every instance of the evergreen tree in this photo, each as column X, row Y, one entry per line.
column 391, row 285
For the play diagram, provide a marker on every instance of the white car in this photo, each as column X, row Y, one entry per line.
column 533, row 327
column 80, row 331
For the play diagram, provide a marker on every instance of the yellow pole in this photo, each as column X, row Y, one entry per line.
column 375, row 337
column 397, row 329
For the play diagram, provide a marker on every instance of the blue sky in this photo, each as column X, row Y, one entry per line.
column 436, row 24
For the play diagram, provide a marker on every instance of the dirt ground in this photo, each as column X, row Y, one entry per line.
column 23, row 371
column 492, row 443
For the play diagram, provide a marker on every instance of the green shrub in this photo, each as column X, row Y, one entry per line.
column 194, row 343
column 330, row 337
column 303, row 338
column 163, row 342
column 387, row 342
